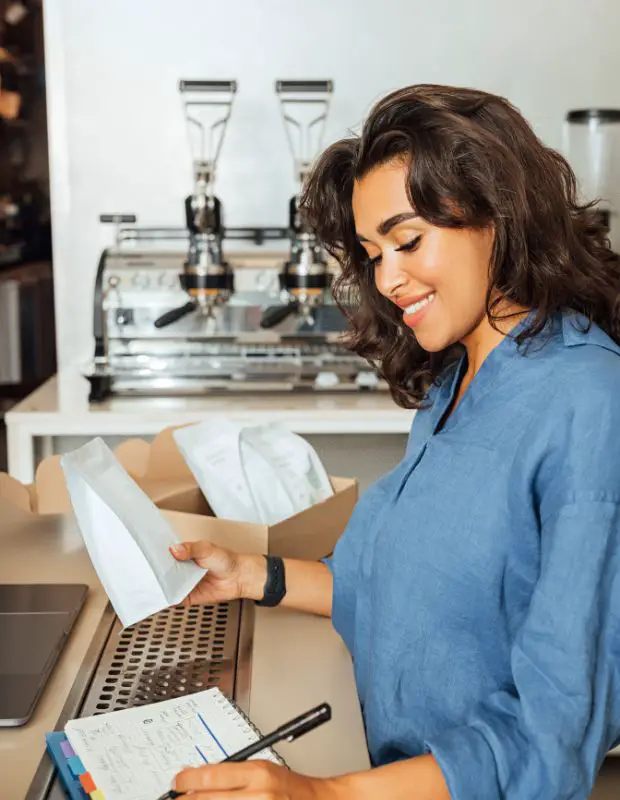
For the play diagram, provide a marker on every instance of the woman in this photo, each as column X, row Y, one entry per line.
column 477, row 585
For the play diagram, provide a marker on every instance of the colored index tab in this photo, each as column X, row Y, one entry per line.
column 88, row 784
column 66, row 748
column 76, row 766
column 97, row 795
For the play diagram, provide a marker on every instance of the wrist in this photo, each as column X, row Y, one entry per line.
column 275, row 586
column 253, row 576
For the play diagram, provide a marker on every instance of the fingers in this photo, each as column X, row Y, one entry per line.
column 219, row 561
column 186, row 551
column 237, row 794
column 257, row 776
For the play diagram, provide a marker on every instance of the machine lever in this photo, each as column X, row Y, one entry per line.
column 207, row 86
column 118, row 219
column 283, row 87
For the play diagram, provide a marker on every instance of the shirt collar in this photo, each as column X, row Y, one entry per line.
column 567, row 328
column 577, row 330
column 494, row 365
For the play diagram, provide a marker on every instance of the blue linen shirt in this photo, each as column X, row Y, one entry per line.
column 477, row 585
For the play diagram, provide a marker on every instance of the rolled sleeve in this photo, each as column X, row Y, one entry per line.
column 546, row 736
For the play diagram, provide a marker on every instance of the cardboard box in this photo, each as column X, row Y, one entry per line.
column 161, row 472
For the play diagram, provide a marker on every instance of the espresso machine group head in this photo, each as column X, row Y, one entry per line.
column 207, row 278
column 305, row 278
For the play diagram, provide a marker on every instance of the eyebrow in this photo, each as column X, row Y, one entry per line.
column 383, row 228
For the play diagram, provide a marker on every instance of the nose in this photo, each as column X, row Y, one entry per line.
column 389, row 276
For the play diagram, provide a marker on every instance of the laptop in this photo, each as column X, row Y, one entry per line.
column 35, row 622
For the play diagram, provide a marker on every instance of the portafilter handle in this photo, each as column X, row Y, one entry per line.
column 274, row 315
column 175, row 315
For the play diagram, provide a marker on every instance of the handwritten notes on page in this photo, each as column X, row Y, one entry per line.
column 135, row 753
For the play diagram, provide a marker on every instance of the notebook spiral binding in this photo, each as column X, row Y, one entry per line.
column 235, row 713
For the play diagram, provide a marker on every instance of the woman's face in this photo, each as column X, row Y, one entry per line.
column 437, row 276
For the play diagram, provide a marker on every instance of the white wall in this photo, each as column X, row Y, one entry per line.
column 117, row 136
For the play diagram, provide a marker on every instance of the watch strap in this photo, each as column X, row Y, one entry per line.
column 275, row 585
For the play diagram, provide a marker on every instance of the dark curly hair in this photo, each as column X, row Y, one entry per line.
column 473, row 162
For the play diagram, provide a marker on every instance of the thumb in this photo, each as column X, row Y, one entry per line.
column 198, row 551
column 180, row 551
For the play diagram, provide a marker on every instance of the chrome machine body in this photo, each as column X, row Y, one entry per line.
column 175, row 314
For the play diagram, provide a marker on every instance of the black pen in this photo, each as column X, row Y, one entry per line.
column 288, row 732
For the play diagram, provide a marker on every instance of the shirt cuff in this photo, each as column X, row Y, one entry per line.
column 467, row 764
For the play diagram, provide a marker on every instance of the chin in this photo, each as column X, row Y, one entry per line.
column 433, row 341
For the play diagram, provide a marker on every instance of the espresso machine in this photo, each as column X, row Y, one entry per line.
column 592, row 147
column 207, row 277
column 305, row 279
column 179, row 311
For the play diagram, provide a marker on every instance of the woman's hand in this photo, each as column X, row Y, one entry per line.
column 253, row 780
column 231, row 576
column 417, row 778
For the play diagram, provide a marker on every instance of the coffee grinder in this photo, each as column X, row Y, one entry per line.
column 592, row 147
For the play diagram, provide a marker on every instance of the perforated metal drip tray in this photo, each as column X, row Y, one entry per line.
column 173, row 653
column 176, row 652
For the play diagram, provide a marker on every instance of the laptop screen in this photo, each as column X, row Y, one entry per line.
column 35, row 621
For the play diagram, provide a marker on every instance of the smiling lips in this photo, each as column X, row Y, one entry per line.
column 415, row 308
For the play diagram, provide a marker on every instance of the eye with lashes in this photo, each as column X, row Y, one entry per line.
column 408, row 247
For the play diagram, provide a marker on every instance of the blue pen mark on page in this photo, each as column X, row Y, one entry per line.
column 212, row 735
column 201, row 754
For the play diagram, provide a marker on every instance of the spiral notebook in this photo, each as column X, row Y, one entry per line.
column 133, row 754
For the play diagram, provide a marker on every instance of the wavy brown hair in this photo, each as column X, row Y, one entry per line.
column 473, row 162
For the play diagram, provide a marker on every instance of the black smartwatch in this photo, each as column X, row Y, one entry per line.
column 275, row 585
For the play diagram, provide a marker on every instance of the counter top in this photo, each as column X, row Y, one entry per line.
column 46, row 550
column 61, row 407
column 297, row 661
